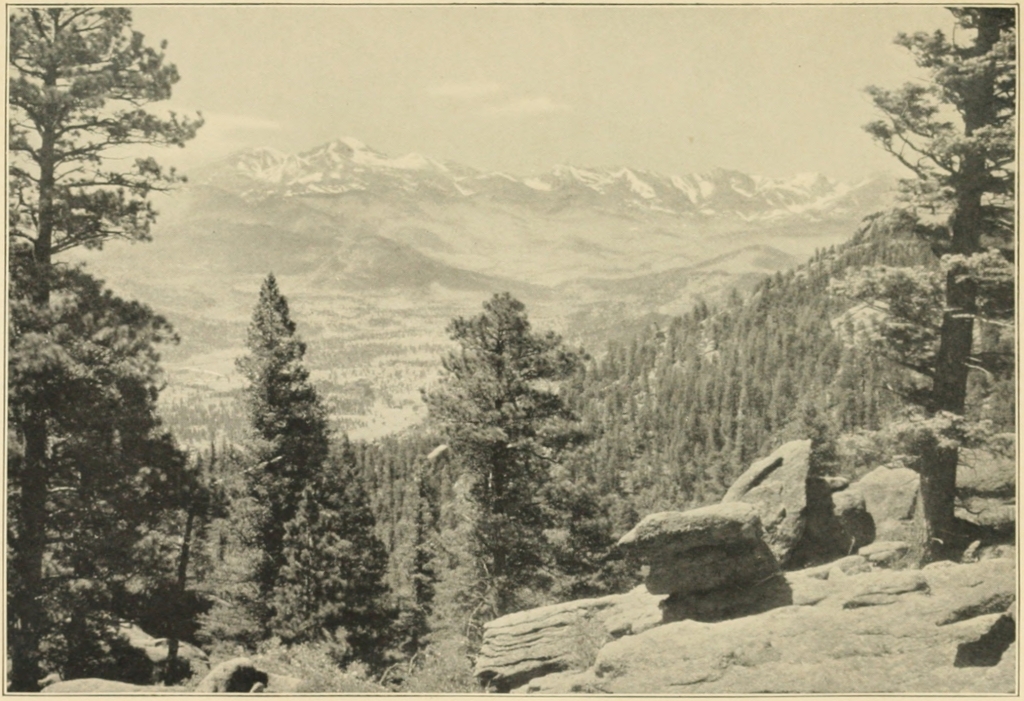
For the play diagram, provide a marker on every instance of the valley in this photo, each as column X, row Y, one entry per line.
column 377, row 254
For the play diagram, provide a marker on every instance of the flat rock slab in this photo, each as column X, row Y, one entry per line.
column 532, row 643
column 702, row 549
column 908, row 631
column 777, row 487
column 884, row 552
column 717, row 524
column 106, row 686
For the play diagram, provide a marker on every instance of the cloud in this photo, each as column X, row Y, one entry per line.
column 526, row 106
column 465, row 91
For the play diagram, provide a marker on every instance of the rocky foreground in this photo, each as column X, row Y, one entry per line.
column 795, row 583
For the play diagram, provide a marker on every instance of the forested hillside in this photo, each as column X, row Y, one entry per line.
column 670, row 419
column 677, row 413
column 530, row 471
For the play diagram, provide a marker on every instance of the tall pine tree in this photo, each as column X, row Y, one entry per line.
column 956, row 134
column 289, row 433
column 332, row 583
column 79, row 83
column 90, row 360
column 499, row 406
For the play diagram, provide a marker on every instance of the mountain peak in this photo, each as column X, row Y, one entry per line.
column 348, row 165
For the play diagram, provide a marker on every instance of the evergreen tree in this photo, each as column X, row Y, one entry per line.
column 500, row 409
column 414, row 618
column 957, row 135
column 289, row 434
column 79, row 82
column 332, row 582
column 89, row 361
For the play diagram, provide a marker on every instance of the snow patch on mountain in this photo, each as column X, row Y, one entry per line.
column 637, row 185
column 348, row 164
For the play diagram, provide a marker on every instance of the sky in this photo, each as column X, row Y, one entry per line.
column 771, row 90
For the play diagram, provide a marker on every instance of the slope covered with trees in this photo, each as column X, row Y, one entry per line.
column 893, row 348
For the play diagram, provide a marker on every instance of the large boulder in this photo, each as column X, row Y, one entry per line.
column 945, row 629
column 807, row 518
column 836, row 523
column 986, row 486
column 700, row 550
column 191, row 661
column 777, row 487
column 891, row 496
column 857, row 525
column 232, row 676
column 532, row 643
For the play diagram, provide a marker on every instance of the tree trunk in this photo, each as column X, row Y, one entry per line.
column 949, row 393
column 27, row 615
column 949, row 388
column 182, row 582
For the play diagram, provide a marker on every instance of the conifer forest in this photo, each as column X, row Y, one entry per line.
column 338, row 422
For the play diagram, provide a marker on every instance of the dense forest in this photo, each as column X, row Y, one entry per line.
column 381, row 561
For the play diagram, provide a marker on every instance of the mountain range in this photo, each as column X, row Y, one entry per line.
column 377, row 253
column 348, row 166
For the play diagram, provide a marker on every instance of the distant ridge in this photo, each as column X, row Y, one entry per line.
column 349, row 166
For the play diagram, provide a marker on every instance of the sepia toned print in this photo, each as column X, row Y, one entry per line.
column 541, row 349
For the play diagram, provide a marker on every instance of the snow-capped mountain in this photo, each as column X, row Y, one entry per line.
column 348, row 165
column 377, row 254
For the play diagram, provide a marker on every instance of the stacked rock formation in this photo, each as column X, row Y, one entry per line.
column 948, row 628
column 713, row 562
column 764, row 592
column 807, row 518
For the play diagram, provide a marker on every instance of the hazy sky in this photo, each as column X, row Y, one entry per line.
column 766, row 90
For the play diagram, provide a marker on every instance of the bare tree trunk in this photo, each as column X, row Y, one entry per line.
column 182, row 583
column 949, row 388
column 27, row 616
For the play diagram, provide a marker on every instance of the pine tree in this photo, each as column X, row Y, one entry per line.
column 79, row 82
column 415, row 624
column 498, row 405
column 957, row 135
column 289, row 433
column 89, row 360
column 332, row 582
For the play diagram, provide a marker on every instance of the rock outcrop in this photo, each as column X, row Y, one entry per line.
column 191, row 660
column 891, row 496
column 943, row 629
column 777, row 486
column 233, row 676
column 701, row 550
column 528, row 644
column 807, row 518
column 734, row 622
